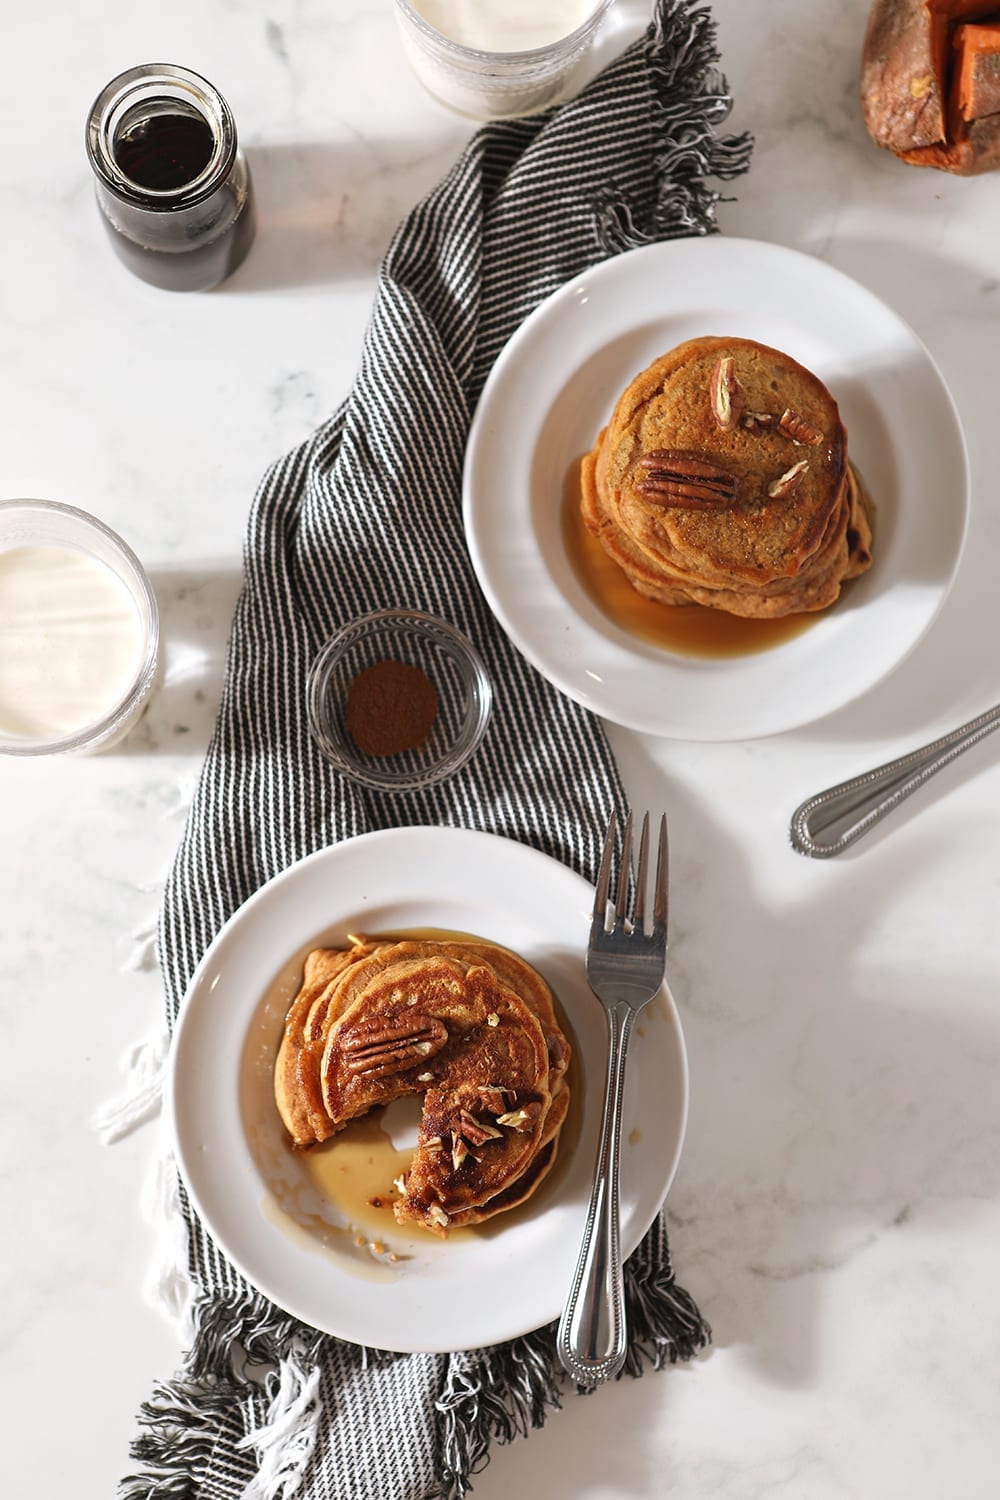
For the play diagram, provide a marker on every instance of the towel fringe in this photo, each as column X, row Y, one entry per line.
column 664, row 1323
column 168, row 1286
column 284, row 1444
column 690, row 99
column 492, row 1395
column 498, row 1394
column 180, row 1429
column 144, row 1066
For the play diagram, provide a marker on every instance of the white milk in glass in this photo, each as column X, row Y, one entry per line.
column 491, row 58
column 71, row 642
column 504, row 25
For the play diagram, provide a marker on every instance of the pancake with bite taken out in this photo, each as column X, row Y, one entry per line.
column 469, row 1026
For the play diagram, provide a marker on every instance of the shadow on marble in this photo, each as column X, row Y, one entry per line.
column 327, row 211
column 196, row 609
column 840, row 1092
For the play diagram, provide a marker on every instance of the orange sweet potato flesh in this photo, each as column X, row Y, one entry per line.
column 911, row 104
column 977, row 71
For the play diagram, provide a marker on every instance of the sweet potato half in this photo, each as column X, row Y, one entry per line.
column 930, row 82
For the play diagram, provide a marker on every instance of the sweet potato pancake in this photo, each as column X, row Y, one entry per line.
column 722, row 480
column 469, row 1026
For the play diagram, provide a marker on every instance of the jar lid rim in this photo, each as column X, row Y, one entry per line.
column 149, row 82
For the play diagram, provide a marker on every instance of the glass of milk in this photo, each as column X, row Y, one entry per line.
column 79, row 631
column 491, row 58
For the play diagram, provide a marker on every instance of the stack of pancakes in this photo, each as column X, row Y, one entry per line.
column 468, row 1025
column 722, row 480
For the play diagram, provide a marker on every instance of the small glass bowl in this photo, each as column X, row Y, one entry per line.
column 491, row 85
column 46, row 523
column 464, row 692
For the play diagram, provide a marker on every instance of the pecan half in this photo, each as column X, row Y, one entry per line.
column 789, row 481
column 390, row 1049
column 799, row 430
column 726, row 395
column 474, row 1131
column 688, row 481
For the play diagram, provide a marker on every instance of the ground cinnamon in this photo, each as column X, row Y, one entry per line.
column 391, row 706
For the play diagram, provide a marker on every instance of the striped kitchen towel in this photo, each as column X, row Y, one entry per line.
column 364, row 515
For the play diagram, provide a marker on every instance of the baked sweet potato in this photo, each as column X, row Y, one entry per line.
column 977, row 71
column 930, row 82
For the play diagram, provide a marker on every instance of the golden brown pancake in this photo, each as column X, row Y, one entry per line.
column 296, row 1074
column 521, row 1189
column 468, row 1025
column 722, row 480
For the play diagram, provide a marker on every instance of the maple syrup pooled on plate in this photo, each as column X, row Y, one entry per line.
column 172, row 184
column 337, row 1197
column 687, row 629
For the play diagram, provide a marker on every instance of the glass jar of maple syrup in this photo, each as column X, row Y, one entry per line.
column 172, row 184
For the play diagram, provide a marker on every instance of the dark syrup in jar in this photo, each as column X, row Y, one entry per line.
column 172, row 185
column 196, row 267
column 164, row 152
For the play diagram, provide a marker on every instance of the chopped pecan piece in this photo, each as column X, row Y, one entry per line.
column 727, row 396
column 753, row 421
column 788, row 481
column 390, row 1049
column 522, row 1118
column 678, row 478
column 494, row 1098
column 475, row 1131
column 799, row 430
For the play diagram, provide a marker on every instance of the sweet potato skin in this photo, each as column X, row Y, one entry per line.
column 902, row 94
column 905, row 67
column 976, row 150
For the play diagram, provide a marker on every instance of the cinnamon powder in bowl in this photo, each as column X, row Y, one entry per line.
column 391, row 706
column 398, row 699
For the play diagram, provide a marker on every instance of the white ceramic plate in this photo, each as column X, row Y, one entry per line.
column 485, row 1285
column 554, row 387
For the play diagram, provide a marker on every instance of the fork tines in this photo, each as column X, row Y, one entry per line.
column 638, row 920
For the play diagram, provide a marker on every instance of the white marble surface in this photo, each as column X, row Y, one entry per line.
column 836, row 1208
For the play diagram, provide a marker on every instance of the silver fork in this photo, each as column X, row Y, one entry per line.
column 625, row 967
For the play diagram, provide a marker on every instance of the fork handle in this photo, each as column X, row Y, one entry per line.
column 591, row 1341
column 831, row 821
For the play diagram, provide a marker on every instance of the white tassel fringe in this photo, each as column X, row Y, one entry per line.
column 168, row 1286
column 144, row 1065
column 284, row 1444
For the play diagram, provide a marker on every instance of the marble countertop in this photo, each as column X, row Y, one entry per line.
column 836, row 1210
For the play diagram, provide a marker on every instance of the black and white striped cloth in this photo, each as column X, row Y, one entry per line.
column 364, row 515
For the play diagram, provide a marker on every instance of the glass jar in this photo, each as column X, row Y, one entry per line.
column 79, row 631
column 493, row 60
column 172, row 184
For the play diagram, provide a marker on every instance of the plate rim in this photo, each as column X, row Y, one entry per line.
column 179, row 1136
column 558, row 673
